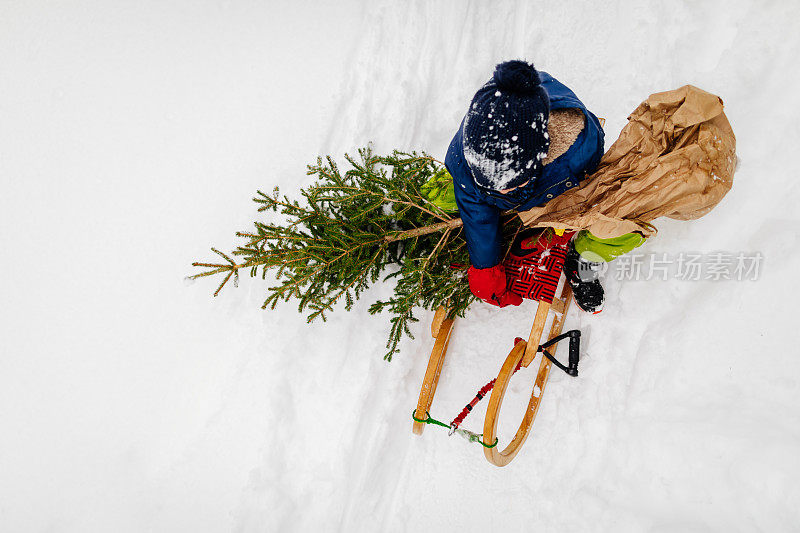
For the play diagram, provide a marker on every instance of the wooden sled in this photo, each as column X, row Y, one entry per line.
column 523, row 353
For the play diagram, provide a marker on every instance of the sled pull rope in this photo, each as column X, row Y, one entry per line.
column 574, row 351
column 486, row 389
column 469, row 435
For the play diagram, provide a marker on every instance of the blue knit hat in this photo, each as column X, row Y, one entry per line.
column 505, row 130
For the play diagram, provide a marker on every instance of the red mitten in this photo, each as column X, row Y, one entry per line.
column 489, row 284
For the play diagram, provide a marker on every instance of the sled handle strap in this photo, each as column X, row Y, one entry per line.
column 574, row 351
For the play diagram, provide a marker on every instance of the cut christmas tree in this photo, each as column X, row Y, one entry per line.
column 377, row 221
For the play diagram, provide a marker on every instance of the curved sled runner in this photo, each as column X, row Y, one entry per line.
column 523, row 354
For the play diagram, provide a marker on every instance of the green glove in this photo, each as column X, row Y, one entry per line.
column 440, row 191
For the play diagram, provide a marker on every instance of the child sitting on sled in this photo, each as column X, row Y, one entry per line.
column 526, row 138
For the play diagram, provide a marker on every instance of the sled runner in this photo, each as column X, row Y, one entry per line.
column 533, row 269
column 440, row 329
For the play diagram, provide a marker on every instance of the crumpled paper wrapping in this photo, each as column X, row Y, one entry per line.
column 675, row 158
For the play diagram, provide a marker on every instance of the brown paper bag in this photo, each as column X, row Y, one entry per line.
column 674, row 158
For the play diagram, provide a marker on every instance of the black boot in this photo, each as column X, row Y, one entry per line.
column 582, row 276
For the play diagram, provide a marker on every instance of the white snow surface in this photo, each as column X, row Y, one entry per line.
column 132, row 137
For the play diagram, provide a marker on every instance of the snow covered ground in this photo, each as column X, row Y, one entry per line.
column 132, row 135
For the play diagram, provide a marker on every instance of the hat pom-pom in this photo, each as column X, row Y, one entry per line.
column 518, row 76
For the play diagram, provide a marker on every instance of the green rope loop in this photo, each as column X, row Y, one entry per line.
column 496, row 440
column 428, row 420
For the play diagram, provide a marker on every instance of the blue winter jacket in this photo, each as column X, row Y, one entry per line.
column 480, row 208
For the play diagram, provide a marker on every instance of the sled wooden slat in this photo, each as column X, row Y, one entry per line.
column 536, row 332
column 433, row 371
column 438, row 319
column 520, row 350
column 558, row 305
